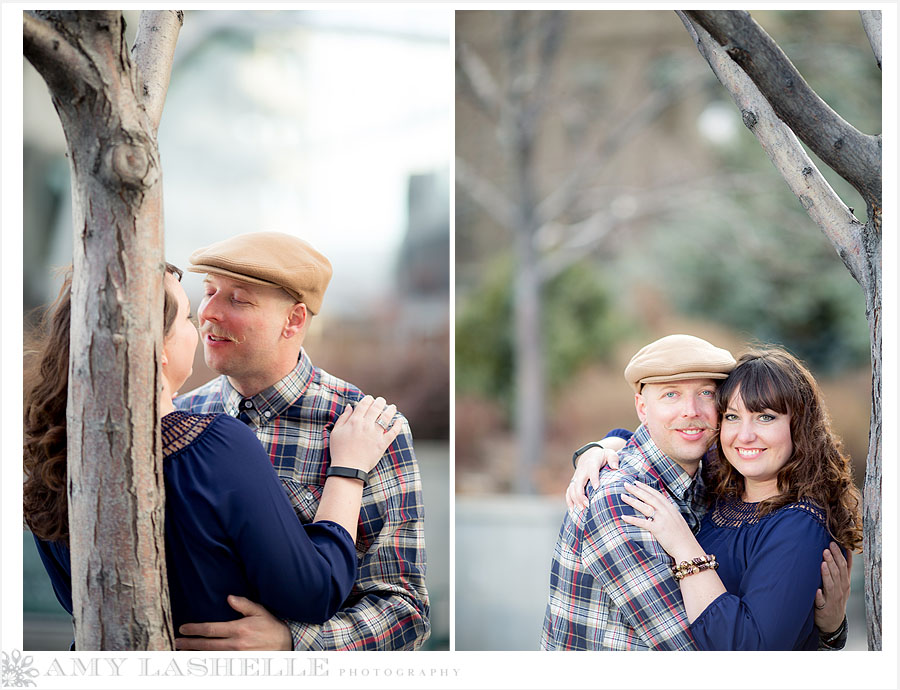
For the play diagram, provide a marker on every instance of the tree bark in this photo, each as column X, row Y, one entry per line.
column 115, row 490
column 763, row 109
column 853, row 155
column 871, row 21
column 153, row 49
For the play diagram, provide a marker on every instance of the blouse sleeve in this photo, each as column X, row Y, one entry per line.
column 55, row 557
column 624, row 434
column 302, row 572
column 773, row 608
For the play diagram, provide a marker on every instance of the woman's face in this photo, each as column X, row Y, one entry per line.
column 181, row 342
column 757, row 445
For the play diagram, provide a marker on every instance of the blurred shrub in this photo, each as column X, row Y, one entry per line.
column 579, row 324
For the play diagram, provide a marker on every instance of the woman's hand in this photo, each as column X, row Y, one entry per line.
column 662, row 520
column 590, row 462
column 831, row 598
column 362, row 433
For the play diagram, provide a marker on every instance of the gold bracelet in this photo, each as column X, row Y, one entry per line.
column 694, row 566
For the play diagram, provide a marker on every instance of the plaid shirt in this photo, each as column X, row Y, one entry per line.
column 611, row 586
column 388, row 607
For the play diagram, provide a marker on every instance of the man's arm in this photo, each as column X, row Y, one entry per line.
column 388, row 607
column 589, row 460
column 635, row 571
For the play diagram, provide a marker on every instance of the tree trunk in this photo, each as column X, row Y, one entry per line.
column 872, row 489
column 529, row 364
column 540, row 34
column 116, row 502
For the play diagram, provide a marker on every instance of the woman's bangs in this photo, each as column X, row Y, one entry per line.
column 760, row 386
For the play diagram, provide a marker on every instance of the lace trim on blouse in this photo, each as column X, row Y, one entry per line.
column 734, row 513
column 180, row 429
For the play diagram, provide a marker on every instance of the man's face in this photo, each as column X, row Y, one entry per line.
column 241, row 327
column 680, row 416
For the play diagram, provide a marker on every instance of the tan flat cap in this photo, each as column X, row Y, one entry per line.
column 676, row 358
column 269, row 258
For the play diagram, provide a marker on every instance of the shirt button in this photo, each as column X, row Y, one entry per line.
column 309, row 495
column 267, row 414
column 248, row 404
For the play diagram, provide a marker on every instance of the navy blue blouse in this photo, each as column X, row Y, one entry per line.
column 770, row 567
column 230, row 529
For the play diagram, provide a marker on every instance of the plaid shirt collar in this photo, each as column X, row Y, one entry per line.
column 278, row 397
column 645, row 456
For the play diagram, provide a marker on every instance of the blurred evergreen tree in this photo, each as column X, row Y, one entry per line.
column 779, row 283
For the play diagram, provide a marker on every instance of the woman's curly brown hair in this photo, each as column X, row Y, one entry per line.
column 46, row 385
column 818, row 469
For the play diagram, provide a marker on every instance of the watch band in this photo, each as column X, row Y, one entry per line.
column 836, row 640
column 349, row 472
column 583, row 448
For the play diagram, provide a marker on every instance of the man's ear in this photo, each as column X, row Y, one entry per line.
column 296, row 321
column 640, row 405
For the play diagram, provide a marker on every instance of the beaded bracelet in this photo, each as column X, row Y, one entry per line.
column 694, row 566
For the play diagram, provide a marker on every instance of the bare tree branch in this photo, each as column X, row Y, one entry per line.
column 486, row 194
column 820, row 201
column 587, row 237
column 565, row 245
column 853, row 155
column 477, row 78
column 52, row 54
column 604, row 144
column 153, row 52
column 871, row 21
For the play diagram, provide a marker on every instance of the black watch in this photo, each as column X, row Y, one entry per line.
column 349, row 472
column 583, row 448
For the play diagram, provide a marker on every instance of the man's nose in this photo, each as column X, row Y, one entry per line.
column 208, row 310
column 690, row 408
